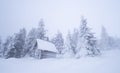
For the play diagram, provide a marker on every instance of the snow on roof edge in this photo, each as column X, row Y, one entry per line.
column 45, row 45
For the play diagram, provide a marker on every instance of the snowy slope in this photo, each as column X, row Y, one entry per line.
column 109, row 62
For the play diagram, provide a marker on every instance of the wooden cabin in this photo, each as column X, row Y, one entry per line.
column 44, row 49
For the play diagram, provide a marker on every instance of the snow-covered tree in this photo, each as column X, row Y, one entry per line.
column 1, row 50
column 104, row 42
column 29, row 42
column 68, row 41
column 41, row 31
column 71, row 41
column 7, row 46
column 92, row 45
column 74, row 40
column 68, row 51
column 59, row 42
column 71, row 44
column 19, row 42
column 107, row 42
column 86, row 41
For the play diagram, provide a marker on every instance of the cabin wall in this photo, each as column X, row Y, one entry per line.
column 38, row 53
column 48, row 54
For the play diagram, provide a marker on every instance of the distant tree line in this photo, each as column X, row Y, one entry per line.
column 81, row 42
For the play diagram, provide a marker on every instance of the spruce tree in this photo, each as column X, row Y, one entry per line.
column 41, row 31
column 7, row 46
column 59, row 42
column 86, row 41
column 19, row 43
column 30, row 40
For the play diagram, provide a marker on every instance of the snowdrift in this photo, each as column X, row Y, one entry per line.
column 109, row 62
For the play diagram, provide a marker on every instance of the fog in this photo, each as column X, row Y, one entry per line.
column 62, row 15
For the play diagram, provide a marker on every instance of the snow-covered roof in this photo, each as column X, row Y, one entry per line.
column 45, row 45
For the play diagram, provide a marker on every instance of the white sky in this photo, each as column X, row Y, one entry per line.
column 60, row 15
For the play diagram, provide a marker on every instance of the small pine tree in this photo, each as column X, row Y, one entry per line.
column 106, row 40
column 91, row 45
column 41, row 32
column 68, row 43
column 59, row 42
column 70, row 49
column 72, row 40
column 29, row 42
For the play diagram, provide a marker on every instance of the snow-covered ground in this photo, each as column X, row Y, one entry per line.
column 109, row 62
